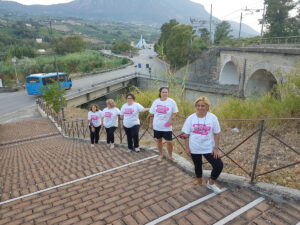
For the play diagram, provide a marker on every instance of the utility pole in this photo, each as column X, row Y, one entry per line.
column 56, row 67
column 14, row 60
column 262, row 24
column 263, row 19
column 240, row 25
column 210, row 21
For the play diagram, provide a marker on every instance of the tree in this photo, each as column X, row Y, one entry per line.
column 277, row 18
column 51, row 96
column 166, row 29
column 122, row 47
column 179, row 45
column 204, row 34
column 222, row 31
column 70, row 45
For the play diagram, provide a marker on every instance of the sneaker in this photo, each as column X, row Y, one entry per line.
column 129, row 150
column 112, row 146
column 137, row 149
column 92, row 145
column 213, row 187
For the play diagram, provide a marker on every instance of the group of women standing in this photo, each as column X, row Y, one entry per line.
column 201, row 130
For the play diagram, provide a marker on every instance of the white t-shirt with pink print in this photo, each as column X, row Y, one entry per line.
column 131, row 114
column 201, row 131
column 95, row 117
column 110, row 117
column 162, row 111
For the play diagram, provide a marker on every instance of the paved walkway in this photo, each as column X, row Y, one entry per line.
column 47, row 179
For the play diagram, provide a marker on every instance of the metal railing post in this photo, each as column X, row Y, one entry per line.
column 121, row 138
column 261, row 129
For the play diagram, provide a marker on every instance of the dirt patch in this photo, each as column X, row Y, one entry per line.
column 61, row 28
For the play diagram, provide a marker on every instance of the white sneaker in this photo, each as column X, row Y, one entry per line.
column 214, row 188
column 92, row 145
column 112, row 146
column 137, row 149
column 129, row 150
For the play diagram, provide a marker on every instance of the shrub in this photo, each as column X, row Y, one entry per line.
column 51, row 96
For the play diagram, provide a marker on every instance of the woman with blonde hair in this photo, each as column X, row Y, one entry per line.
column 94, row 116
column 110, row 121
column 202, row 134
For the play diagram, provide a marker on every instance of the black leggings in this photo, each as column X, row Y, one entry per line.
column 132, row 133
column 95, row 135
column 110, row 138
column 217, row 165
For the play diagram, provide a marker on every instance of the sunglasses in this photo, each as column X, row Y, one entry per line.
column 129, row 98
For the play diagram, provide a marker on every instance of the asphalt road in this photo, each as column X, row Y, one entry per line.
column 18, row 106
column 146, row 56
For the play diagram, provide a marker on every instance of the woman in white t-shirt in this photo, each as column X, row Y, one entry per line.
column 202, row 135
column 162, row 113
column 129, row 120
column 94, row 116
column 110, row 121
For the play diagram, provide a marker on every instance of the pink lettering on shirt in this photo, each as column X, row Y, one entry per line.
column 108, row 114
column 162, row 109
column 128, row 111
column 201, row 129
column 94, row 117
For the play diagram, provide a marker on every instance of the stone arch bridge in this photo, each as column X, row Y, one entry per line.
column 256, row 70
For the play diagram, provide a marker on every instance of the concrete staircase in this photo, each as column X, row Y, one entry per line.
column 53, row 180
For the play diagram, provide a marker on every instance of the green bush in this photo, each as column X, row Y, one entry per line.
column 51, row 96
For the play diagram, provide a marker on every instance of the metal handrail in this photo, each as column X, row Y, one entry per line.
column 79, row 129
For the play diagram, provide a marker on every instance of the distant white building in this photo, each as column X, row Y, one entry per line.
column 41, row 51
column 142, row 43
column 39, row 40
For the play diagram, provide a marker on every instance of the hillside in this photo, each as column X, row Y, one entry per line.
column 132, row 11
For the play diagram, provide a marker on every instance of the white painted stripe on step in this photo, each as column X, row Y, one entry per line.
column 240, row 211
column 77, row 180
column 177, row 211
column 298, row 223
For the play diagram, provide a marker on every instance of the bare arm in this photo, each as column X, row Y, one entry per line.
column 172, row 118
column 145, row 110
column 186, row 142
column 215, row 151
column 151, row 121
column 91, row 125
column 121, row 121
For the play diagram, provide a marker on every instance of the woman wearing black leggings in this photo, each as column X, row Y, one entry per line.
column 131, row 123
column 202, row 134
column 110, row 121
column 94, row 116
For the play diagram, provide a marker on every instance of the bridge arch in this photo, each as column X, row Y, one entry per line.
column 260, row 82
column 229, row 73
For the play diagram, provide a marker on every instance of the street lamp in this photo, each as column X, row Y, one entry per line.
column 14, row 60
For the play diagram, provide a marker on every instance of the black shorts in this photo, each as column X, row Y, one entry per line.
column 167, row 135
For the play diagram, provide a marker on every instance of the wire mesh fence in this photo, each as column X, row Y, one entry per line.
column 260, row 149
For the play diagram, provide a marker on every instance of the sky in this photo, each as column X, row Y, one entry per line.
column 222, row 9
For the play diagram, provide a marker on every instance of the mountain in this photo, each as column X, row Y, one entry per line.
column 150, row 12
